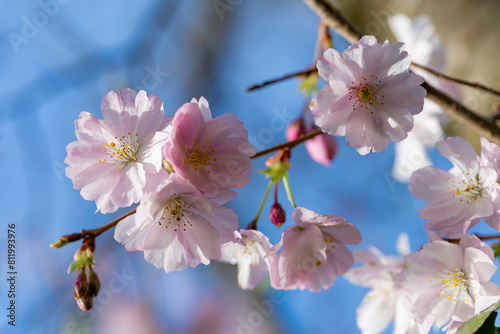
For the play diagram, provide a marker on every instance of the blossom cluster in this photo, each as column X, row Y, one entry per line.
column 443, row 284
column 181, row 169
column 310, row 254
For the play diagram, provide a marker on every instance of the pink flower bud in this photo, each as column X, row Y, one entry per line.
column 94, row 284
column 81, row 285
column 322, row 149
column 295, row 129
column 277, row 215
column 85, row 303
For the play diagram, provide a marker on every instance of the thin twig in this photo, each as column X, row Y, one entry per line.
column 98, row 231
column 290, row 144
column 66, row 239
column 333, row 18
column 467, row 116
column 288, row 76
column 481, row 237
column 456, row 80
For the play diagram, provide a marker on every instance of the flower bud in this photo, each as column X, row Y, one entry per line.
column 61, row 242
column 81, row 285
column 85, row 303
column 295, row 129
column 277, row 215
column 322, row 149
column 94, row 284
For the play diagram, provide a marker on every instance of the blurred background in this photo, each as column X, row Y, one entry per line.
column 61, row 57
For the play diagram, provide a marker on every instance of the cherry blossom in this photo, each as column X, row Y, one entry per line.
column 457, row 199
column 213, row 154
column 371, row 97
column 314, row 251
column 248, row 250
column 446, row 282
column 383, row 302
column 118, row 159
column 176, row 226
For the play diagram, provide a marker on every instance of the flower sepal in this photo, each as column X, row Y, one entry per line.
column 278, row 165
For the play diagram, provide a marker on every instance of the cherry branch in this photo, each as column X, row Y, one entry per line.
column 440, row 75
column 66, row 239
column 481, row 237
column 289, row 145
column 336, row 20
column 285, row 77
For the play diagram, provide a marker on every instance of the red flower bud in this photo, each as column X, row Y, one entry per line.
column 85, row 303
column 277, row 215
column 94, row 284
column 81, row 285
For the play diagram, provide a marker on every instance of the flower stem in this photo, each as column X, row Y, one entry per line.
column 288, row 191
column 253, row 223
column 276, row 191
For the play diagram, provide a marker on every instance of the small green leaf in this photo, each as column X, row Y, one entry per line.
column 496, row 249
column 474, row 324
column 309, row 85
column 80, row 262
column 489, row 325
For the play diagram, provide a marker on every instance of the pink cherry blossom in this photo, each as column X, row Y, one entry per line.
column 117, row 160
column 176, row 226
column 248, row 250
column 383, row 302
column 213, row 154
column 322, row 149
column 457, row 199
column 446, row 282
column 314, row 251
column 371, row 97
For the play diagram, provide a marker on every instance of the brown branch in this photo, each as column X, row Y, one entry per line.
column 481, row 237
column 65, row 239
column 456, row 80
column 288, row 76
column 333, row 18
column 459, row 111
column 290, row 144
